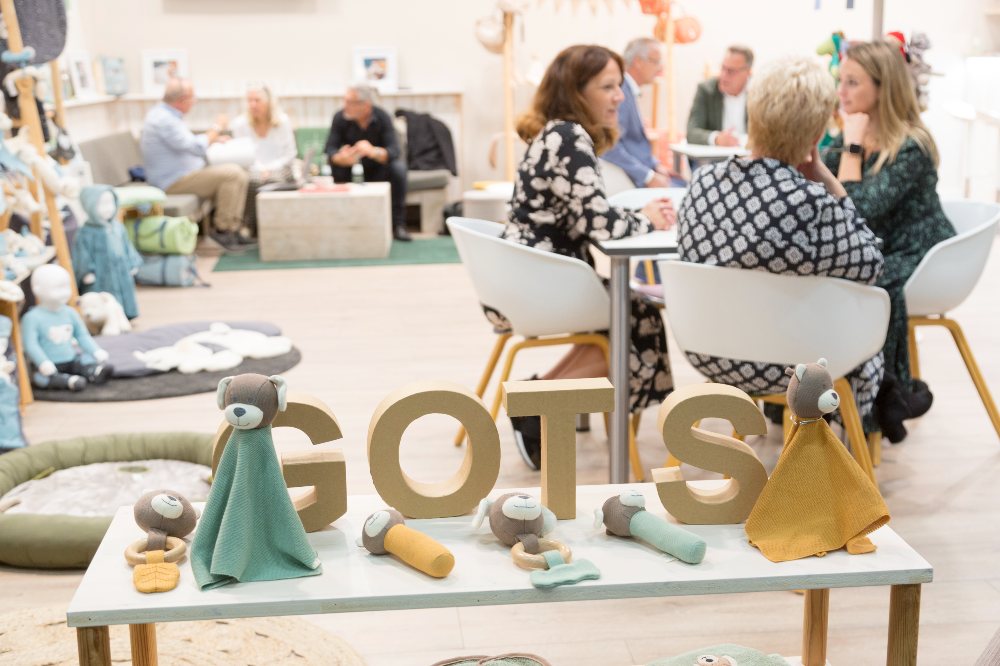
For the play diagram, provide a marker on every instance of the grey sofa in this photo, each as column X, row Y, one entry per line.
column 110, row 158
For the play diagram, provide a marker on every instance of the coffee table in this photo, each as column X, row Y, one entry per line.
column 325, row 221
column 354, row 580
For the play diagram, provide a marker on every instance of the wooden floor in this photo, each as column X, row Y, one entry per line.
column 366, row 331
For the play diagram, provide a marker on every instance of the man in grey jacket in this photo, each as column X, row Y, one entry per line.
column 719, row 112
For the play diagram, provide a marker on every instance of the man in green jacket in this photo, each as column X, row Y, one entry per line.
column 719, row 112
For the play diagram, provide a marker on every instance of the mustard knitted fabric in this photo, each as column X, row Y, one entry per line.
column 817, row 500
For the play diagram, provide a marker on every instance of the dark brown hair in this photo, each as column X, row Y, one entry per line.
column 560, row 94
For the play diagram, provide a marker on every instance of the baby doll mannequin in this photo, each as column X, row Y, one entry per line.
column 103, row 257
column 50, row 329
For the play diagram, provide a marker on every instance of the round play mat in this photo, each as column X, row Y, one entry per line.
column 170, row 384
column 40, row 636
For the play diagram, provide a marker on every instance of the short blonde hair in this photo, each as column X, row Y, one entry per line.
column 788, row 107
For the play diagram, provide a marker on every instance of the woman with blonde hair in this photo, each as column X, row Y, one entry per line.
column 271, row 131
column 780, row 210
column 887, row 161
column 559, row 205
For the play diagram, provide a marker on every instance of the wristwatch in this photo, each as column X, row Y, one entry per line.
column 855, row 148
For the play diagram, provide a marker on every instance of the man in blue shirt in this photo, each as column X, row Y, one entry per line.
column 175, row 162
column 633, row 153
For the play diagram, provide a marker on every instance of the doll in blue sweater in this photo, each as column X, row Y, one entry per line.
column 103, row 256
column 56, row 341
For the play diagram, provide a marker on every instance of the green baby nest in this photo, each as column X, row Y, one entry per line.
column 45, row 541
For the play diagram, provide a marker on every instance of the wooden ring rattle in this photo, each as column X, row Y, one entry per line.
column 135, row 554
column 536, row 561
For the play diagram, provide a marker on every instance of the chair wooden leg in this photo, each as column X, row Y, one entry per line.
column 974, row 372
column 633, row 448
column 491, row 365
column 875, row 448
column 911, row 332
column 852, row 424
column 786, row 420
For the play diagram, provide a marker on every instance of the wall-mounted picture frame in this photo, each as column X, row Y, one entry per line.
column 377, row 66
column 81, row 72
column 115, row 79
column 159, row 66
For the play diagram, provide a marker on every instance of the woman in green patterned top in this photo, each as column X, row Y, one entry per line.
column 887, row 161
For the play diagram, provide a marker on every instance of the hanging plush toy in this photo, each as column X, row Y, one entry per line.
column 56, row 340
column 817, row 499
column 103, row 258
column 519, row 520
column 167, row 518
column 385, row 532
column 11, row 436
column 250, row 530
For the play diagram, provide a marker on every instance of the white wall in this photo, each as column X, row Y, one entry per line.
column 307, row 44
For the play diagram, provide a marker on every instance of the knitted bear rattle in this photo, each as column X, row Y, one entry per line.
column 519, row 521
column 625, row 515
column 167, row 517
column 385, row 532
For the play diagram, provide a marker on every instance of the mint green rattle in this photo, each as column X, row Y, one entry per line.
column 625, row 515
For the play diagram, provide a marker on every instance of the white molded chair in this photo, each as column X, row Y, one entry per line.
column 944, row 279
column 615, row 178
column 549, row 299
column 783, row 319
column 637, row 198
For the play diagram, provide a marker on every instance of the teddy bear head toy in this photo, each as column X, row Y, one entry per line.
column 252, row 401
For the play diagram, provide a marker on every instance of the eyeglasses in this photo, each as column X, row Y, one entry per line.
column 734, row 70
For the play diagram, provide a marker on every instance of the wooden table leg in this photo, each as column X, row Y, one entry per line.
column 904, row 623
column 814, row 622
column 94, row 646
column 143, row 640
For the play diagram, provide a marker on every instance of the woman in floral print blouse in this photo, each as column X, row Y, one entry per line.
column 559, row 205
column 887, row 161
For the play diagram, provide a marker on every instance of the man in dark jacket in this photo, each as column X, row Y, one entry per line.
column 719, row 112
column 363, row 132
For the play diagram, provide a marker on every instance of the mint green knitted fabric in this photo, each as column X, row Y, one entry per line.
column 249, row 530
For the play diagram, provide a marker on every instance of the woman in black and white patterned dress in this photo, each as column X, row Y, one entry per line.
column 559, row 205
column 782, row 211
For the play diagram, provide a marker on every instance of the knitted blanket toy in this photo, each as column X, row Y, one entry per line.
column 249, row 530
column 818, row 499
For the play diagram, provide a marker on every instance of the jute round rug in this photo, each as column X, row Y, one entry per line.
column 170, row 384
column 40, row 636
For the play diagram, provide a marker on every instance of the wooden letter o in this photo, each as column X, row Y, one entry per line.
column 475, row 477
column 733, row 501
column 324, row 470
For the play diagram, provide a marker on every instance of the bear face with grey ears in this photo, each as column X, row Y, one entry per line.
column 252, row 401
column 164, row 513
column 514, row 515
column 810, row 392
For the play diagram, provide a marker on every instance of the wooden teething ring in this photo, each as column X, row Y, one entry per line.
column 529, row 561
column 135, row 554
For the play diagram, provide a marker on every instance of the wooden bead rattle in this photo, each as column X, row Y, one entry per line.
column 385, row 532
column 167, row 517
column 625, row 515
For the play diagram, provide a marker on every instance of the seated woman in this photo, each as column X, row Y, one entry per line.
column 559, row 205
column 782, row 211
column 887, row 161
column 272, row 134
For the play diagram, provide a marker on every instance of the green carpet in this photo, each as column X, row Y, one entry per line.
column 440, row 250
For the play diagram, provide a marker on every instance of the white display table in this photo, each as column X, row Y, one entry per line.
column 354, row 580
column 342, row 222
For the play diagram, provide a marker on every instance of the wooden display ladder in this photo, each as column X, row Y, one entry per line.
column 32, row 123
